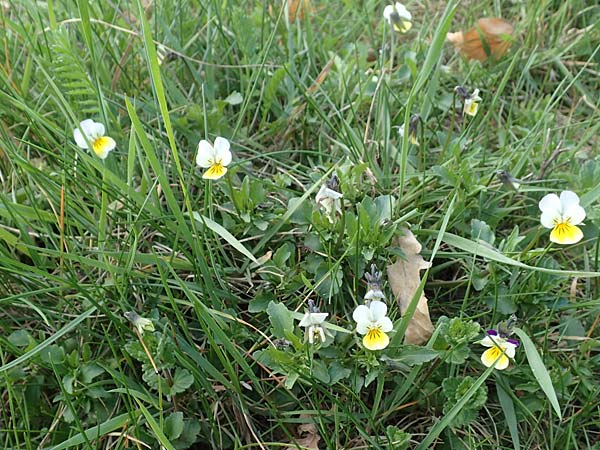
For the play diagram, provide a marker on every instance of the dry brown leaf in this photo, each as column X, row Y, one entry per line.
column 297, row 8
column 489, row 37
column 404, row 277
column 308, row 436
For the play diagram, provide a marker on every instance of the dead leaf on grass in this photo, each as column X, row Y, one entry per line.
column 308, row 436
column 404, row 277
column 490, row 37
column 297, row 8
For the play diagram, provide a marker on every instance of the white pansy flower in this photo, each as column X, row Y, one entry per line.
column 215, row 158
column 562, row 214
column 472, row 103
column 372, row 322
column 399, row 18
column 313, row 321
column 92, row 133
column 330, row 199
column 499, row 351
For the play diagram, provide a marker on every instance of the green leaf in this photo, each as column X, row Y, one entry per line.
column 174, row 425
column 98, row 431
column 539, row 369
column 281, row 319
column 485, row 251
column 508, row 408
column 231, row 240
column 182, row 380
column 235, row 98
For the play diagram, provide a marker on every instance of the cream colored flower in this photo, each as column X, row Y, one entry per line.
column 562, row 214
column 214, row 158
column 92, row 133
column 501, row 349
column 372, row 322
column 399, row 18
column 141, row 323
column 312, row 321
column 472, row 103
column 329, row 199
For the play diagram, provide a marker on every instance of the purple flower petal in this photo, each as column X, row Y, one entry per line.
column 492, row 332
column 513, row 342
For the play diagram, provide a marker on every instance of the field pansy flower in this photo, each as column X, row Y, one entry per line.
column 372, row 322
column 312, row 321
column 413, row 126
column 92, row 133
column 500, row 349
column 329, row 198
column 472, row 103
column 141, row 323
column 215, row 158
column 398, row 17
column 562, row 214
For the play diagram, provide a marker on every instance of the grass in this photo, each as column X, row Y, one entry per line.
column 224, row 269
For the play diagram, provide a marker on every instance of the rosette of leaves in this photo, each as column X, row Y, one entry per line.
column 172, row 379
column 454, row 338
column 454, row 389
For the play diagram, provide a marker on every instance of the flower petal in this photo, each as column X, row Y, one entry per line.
column 575, row 214
column 214, row 172
column 313, row 319
column 90, row 128
column 385, row 324
column 568, row 199
column 103, row 145
column 361, row 315
column 222, row 152
column 403, row 12
column 509, row 349
column 378, row 310
column 487, row 342
column 374, row 293
column 206, row 154
column 387, row 12
column 376, row 339
column 549, row 203
column 565, row 233
column 489, row 357
column 550, row 218
column 79, row 138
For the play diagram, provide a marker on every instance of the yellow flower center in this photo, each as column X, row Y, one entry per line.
column 216, row 170
column 375, row 339
column 564, row 232
column 99, row 145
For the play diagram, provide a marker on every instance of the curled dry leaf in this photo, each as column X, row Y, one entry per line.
column 308, row 436
column 489, row 37
column 404, row 277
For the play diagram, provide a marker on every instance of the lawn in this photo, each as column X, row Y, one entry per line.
column 299, row 224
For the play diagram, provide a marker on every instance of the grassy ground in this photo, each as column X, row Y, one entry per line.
column 221, row 266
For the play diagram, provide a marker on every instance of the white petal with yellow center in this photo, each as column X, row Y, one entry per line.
column 206, row 154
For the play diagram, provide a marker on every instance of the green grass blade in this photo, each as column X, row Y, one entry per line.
column 539, row 369
column 509, row 414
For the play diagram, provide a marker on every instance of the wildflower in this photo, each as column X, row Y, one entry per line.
column 90, row 132
column 501, row 348
column 472, row 103
column 329, row 198
column 562, row 215
column 312, row 321
column 141, row 323
column 374, row 284
column 413, row 125
column 214, row 158
column 372, row 322
column 398, row 17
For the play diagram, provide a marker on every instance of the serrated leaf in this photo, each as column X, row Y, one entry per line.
column 539, row 369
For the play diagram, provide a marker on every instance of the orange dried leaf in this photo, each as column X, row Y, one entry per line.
column 490, row 37
column 297, row 8
column 404, row 277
